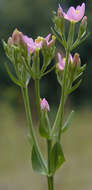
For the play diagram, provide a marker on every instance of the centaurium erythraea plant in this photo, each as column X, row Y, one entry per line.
column 24, row 52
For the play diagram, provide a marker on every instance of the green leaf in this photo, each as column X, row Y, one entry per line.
column 36, row 163
column 74, row 87
column 68, row 122
column 79, row 72
column 56, row 157
column 53, row 67
column 43, row 130
column 12, row 77
column 82, row 68
column 78, row 42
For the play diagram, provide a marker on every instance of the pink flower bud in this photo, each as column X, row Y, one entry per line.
column 60, row 11
column 84, row 20
column 76, row 59
column 17, row 37
column 44, row 105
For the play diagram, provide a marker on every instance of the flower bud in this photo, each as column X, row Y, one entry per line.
column 17, row 37
column 84, row 20
column 10, row 41
column 60, row 11
column 44, row 105
column 76, row 60
column 83, row 26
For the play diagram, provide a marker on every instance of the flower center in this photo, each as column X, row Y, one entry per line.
column 39, row 39
column 64, row 59
column 77, row 11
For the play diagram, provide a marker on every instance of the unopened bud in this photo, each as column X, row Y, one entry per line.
column 83, row 26
column 84, row 20
column 76, row 59
column 60, row 11
column 10, row 41
column 44, row 105
column 17, row 37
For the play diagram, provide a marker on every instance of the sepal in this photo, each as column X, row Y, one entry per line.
column 44, row 126
column 36, row 65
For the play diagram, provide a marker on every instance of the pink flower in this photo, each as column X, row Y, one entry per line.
column 70, row 58
column 30, row 43
column 61, row 61
column 48, row 41
column 74, row 15
column 44, row 105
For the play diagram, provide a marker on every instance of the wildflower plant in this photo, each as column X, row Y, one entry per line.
column 23, row 53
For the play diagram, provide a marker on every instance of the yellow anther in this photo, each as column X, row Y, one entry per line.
column 64, row 59
column 39, row 39
column 77, row 11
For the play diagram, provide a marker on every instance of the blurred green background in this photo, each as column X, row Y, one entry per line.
column 33, row 18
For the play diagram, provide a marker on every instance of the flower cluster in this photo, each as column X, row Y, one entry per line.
column 18, row 38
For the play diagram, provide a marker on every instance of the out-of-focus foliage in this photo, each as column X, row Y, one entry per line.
column 34, row 18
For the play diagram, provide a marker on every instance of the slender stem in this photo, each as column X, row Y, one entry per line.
column 50, row 183
column 38, row 97
column 63, row 94
column 59, row 116
column 49, row 178
column 31, row 128
column 56, row 121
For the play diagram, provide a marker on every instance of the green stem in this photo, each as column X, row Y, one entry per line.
column 50, row 183
column 38, row 97
column 31, row 128
column 63, row 94
column 59, row 116
column 49, row 178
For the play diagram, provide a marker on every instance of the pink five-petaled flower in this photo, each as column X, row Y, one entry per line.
column 73, row 15
column 61, row 61
column 44, row 105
